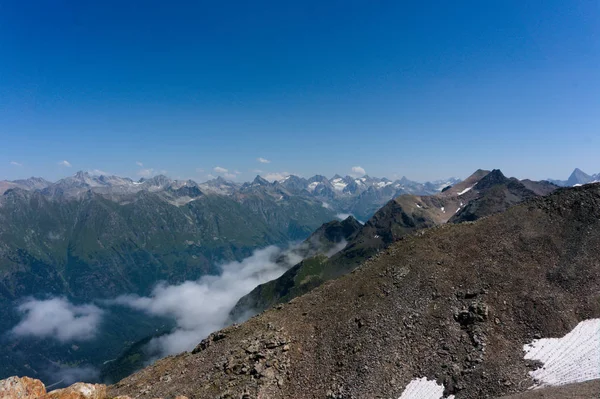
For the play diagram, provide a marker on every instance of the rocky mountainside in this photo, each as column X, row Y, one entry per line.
column 482, row 194
column 454, row 304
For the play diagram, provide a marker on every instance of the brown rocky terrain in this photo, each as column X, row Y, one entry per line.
column 454, row 303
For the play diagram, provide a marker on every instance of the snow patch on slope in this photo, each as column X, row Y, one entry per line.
column 422, row 388
column 570, row 359
column 338, row 184
column 466, row 190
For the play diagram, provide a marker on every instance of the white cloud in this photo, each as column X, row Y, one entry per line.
column 211, row 176
column 15, row 163
column 203, row 306
column 273, row 176
column 146, row 172
column 358, row 171
column 138, row 163
column 343, row 216
column 219, row 169
column 65, row 163
column 263, row 160
column 231, row 176
column 58, row 318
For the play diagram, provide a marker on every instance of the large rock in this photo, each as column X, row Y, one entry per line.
column 79, row 390
column 21, row 388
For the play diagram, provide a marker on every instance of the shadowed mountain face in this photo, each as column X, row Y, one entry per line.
column 482, row 194
column 455, row 304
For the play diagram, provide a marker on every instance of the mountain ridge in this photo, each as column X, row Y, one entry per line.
column 437, row 304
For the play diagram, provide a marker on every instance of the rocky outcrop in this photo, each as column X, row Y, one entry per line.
column 79, row 390
column 21, row 388
column 30, row 388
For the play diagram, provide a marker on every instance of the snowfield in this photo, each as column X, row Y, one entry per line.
column 570, row 359
column 422, row 388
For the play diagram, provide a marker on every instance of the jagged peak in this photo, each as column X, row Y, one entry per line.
column 260, row 181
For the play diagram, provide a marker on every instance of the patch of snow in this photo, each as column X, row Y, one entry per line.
column 376, row 236
column 359, row 181
column 422, row 388
column 465, row 190
column 312, row 186
column 137, row 183
column 382, row 184
column 326, row 205
column 443, row 209
column 418, row 206
column 338, row 184
column 570, row 359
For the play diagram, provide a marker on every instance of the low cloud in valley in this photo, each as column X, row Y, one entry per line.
column 203, row 306
column 58, row 318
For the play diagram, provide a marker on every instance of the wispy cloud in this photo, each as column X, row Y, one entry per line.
column 263, row 160
column 138, row 163
column 219, row 169
column 231, row 176
column 358, row 171
column 15, row 163
column 58, row 318
column 199, row 170
column 149, row 172
column 203, row 306
column 65, row 164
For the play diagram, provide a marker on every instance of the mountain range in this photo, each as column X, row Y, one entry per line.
column 416, row 299
column 89, row 237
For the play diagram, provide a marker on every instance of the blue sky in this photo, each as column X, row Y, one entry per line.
column 424, row 89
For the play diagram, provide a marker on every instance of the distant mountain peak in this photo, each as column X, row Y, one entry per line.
column 259, row 180
column 578, row 177
column 493, row 178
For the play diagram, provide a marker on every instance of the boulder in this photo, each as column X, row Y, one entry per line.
column 79, row 390
column 21, row 388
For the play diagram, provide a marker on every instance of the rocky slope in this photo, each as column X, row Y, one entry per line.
column 455, row 303
column 482, row 194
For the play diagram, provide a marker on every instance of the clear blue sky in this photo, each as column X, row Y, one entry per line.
column 426, row 89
